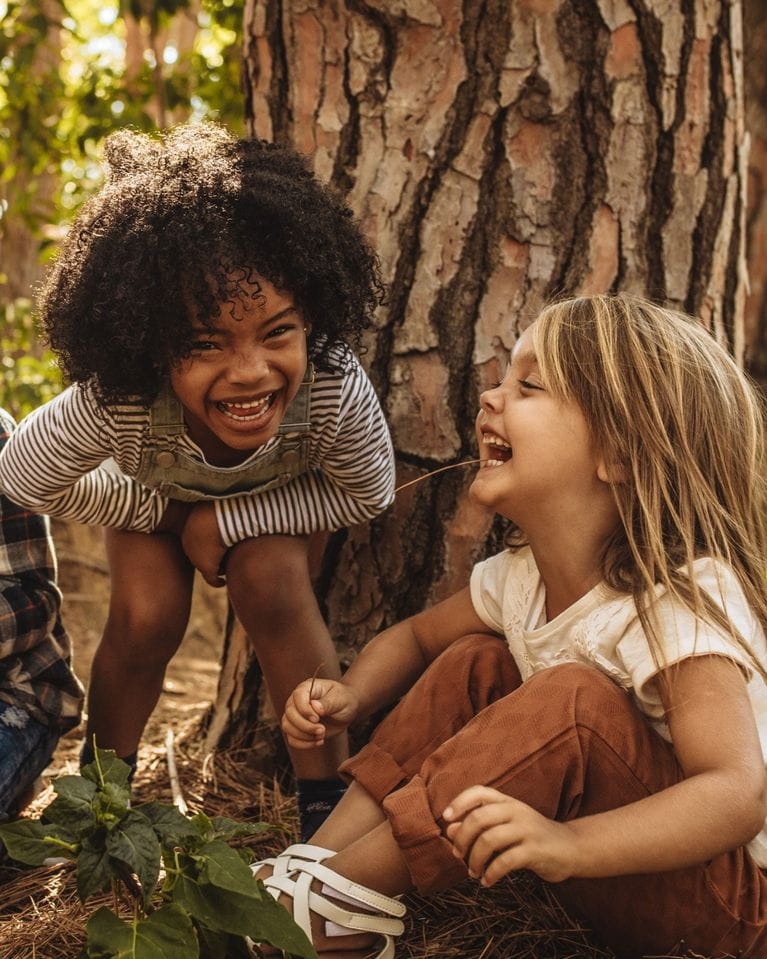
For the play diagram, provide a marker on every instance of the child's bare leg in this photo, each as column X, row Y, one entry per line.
column 356, row 815
column 272, row 594
column 372, row 858
column 473, row 673
column 151, row 589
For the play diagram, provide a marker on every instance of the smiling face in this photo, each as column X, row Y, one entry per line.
column 243, row 372
column 540, row 460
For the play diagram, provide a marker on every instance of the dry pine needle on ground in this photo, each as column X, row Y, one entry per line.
column 42, row 918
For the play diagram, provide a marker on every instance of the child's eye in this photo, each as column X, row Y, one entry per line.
column 527, row 385
column 279, row 330
column 204, row 346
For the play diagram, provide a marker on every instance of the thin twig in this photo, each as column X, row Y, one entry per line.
column 311, row 688
column 442, row 469
column 178, row 797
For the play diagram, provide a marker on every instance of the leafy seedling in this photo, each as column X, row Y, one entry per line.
column 207, row 904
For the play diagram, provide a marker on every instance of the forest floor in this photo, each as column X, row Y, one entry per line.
column 40, row 916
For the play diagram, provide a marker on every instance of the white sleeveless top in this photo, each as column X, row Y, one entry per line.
column 603, row 629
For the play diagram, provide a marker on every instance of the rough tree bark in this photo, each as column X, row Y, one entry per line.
column 497, row 154
column 755, row 39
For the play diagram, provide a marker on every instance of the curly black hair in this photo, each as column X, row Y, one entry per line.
column 183, row 220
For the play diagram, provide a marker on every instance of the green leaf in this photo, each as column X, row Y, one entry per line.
column 94, row 871
column 111, row 804
column 113, row 769
column 74, row 787
column 275, row 925
column 222, row 945
column 220, row 910
column 222, row 866
column 229, row 829
column 262, row 920
column 171, row 826
column 166, row 934
column 73, row 814
column 25, row 842
column 134, row 842
column 203, row 826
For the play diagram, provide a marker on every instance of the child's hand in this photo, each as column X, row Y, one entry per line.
column 173, row 519
column 496, row 835
column 202, row 543
column 306, row 722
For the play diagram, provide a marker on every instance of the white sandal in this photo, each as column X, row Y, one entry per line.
column 299, row 850
column 293, row 876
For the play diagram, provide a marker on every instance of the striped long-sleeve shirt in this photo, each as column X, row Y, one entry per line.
column 53, row 464
column 35, row 651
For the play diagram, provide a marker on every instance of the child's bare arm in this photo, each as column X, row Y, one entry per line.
column 202, row 543
column 53, row 464
column 385, row 669
column 174, row 518
column 719, row 806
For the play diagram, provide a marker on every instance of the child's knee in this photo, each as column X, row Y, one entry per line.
column 144, row 631
column 475, row 648
column 584, row 694
column 265, row 576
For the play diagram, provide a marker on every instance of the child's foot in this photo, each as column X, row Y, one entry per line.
column 346, row 920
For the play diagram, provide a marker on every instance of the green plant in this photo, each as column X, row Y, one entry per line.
column 208, row 903
column 30, row 376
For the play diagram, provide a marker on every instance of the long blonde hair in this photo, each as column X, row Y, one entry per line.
column 681, row 429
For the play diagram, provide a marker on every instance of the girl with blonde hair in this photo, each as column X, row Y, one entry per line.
column 593, row 705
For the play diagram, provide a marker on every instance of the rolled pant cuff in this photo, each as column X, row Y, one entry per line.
column 428, row 854
column 375, row 770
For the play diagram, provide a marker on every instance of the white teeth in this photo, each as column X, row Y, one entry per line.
column 253, row 403
column 491, row 463
column 258, row 407
column 491, row 439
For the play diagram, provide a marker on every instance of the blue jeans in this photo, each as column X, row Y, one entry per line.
column 26, row 747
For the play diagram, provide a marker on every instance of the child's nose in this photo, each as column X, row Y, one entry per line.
column 248, row 365
column 490, row 400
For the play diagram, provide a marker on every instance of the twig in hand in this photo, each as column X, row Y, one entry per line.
column 311, row 688
column 442, row 469
column 178, row 797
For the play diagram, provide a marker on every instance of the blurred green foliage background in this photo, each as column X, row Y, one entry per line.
column 72, row 71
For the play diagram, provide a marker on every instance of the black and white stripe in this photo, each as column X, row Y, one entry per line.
column 55, row 463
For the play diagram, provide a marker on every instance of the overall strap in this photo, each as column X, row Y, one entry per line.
column 296, row 419
column 166, row 414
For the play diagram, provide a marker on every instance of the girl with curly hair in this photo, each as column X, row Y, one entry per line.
column 204, row 306
column 611, row 733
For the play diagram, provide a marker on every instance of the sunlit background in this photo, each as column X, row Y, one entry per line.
column 70, row 73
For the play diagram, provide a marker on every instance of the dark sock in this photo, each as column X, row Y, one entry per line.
column 317, row 798
column 88, row 755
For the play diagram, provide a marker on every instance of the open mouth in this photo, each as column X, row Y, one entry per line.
column 497, row 450
column 245, row 411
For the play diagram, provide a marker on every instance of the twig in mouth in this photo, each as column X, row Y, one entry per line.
column 442, row 469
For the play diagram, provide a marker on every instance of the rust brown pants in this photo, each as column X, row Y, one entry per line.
column 568, row 742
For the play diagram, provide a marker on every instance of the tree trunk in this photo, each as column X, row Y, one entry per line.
column 497, row 154
column 755, row 35
column 27, row 199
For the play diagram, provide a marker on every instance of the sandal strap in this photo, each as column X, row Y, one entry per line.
column 281, row 862
column 297, row 885
column 305, row 850
column 365, row 895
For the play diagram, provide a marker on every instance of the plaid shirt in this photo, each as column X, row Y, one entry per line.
column 35, row 650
